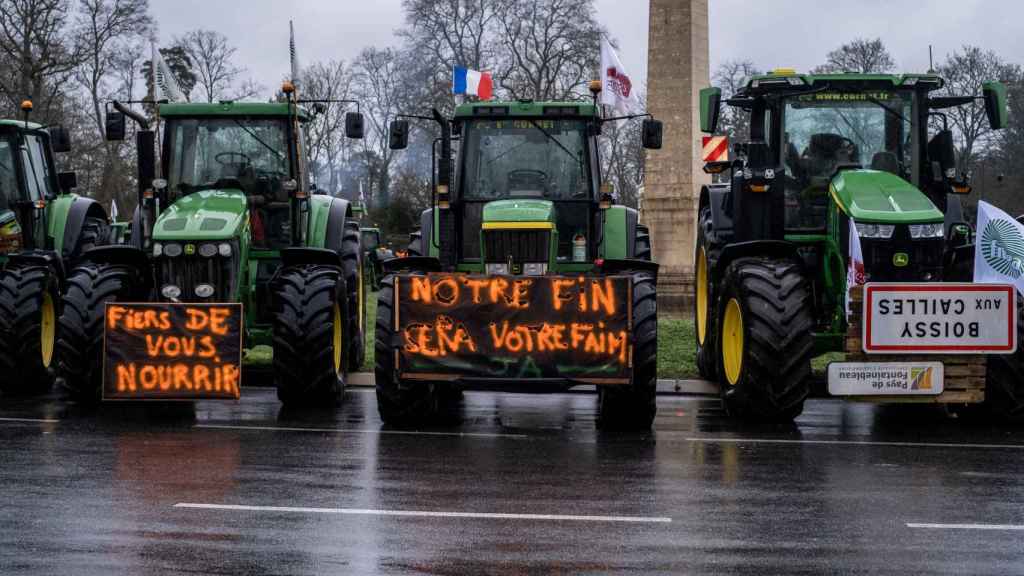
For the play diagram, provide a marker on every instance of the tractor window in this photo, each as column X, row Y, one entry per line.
column 37, row 170
column 825, row 132
column 251, row 154
column 371, row 239
column 8, row 177
column 525, row 158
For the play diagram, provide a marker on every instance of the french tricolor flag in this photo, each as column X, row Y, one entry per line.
column 472, row 83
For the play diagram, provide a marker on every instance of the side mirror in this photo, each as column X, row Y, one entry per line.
column 115, row 126
column 398, row 135
column 651, row 133
column 941, row 150
column 60, row 140
column 67, row 181
column 354, row 125
column 710, row 109
column 994, row 94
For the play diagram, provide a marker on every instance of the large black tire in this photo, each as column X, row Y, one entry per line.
column 1004, row 380
column 704, row 321
column 642, row 243
column 773, row 331
column 80, row 342
column 95, row 232
column 399, row 404
column 633, row 407
column 355, row 296
column 309, row 335
column 29, row 304
column 416, row 244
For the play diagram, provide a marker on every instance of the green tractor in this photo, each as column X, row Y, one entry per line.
column 825, row 153
column 503, row 285
column 230, row 216
column 44, row 230
column 375, row 253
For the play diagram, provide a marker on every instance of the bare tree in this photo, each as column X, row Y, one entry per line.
column 379, row 86
column 860, row 55
column 327, row 144
column 552, row 47
column 731, row 76
column 212, row 57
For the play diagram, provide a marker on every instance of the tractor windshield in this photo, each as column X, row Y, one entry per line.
column 8, row 177
column 244, row 153
column 371, row 239
column 525, row 158
column 825, row 132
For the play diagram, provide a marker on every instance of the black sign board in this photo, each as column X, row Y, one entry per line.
column 164, row 351
column 512, row 327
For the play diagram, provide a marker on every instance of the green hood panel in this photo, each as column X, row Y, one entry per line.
column 205, row 215
column 519, row 210
column 882, row 197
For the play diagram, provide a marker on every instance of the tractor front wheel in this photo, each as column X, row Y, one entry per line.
column 309, row 326
column 1004, row 380
column 764, row 339
column 353, row 269
column 703, row 300
column 90, row 287
column 633, row 406
column 28, row 312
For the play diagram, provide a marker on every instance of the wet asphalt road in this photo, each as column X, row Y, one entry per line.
column 524, row 486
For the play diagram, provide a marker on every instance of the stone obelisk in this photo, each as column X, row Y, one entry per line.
column 677, row 68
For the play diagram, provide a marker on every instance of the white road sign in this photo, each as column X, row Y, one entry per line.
column 940, row 318
column 885, row 378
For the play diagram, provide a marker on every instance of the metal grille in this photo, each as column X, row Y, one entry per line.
column 187, row 272
column 925, row 257
column 522, row 245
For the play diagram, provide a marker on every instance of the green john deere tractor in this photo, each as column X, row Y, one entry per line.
column 524, row 274
column 825, row 153
column 375, row 253
column 44, row 231
column 229, row 217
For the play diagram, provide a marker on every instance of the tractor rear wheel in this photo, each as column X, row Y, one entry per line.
column 90, row 287
column 95, row 232
column 1004, row 379
column 309, row 335
column 703, row 300
column 29, row 300
column 352, row 267
column 633, row 406
column 400, row 404
column 764, row 339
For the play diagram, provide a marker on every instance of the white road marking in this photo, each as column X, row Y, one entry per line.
column 34, row 420
column 360, row 431
column 967, row 526
column 429, row 514
column 853, row 443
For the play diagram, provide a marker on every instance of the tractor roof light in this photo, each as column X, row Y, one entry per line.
column 288, row 87
column 26, row 106
column 594, row 87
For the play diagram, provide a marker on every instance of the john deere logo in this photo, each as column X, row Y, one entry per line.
column 1002, row 247
column 190, row 249
column 900, row 259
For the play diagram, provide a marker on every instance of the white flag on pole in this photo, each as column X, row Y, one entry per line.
column 617, row 88
column 854, row 266
column 165, row 86
column 113, row 210
column 999, row 249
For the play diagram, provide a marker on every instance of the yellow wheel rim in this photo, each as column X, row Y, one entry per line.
column 732, row 341
column 337, row 338
column 702, row 296
column 48, row 329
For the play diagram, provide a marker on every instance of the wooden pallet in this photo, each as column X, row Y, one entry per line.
column 964, row 381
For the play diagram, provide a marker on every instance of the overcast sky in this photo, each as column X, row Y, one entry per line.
column 772, row 33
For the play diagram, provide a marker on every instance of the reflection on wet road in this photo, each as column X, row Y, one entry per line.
column 524, row 485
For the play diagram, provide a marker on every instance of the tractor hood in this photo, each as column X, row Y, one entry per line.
column 204, row 215
column 521, row 210
column 883, row 197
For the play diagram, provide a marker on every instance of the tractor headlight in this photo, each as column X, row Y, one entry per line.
column 535, row 269
column 172, row 250
column 204, row 290
column 208, row 250
column 158, row 249
column 496, row 269
column 934, row 230
column 224, row 249
column 170, row 291
column 875, row 230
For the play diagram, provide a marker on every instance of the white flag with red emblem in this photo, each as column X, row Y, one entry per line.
column 854, row 266
column 617, row 88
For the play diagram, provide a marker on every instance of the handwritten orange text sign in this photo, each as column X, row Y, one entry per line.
column 164, row 351
column 514, row 326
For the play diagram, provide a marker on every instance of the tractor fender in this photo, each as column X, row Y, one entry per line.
column 427, row 232
column 416, row 263
column 310, row 256
column 617, row 265
column 770, row 248
column 716, row 197
column 618, row 231
column 67, row 218
column 327, row 219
